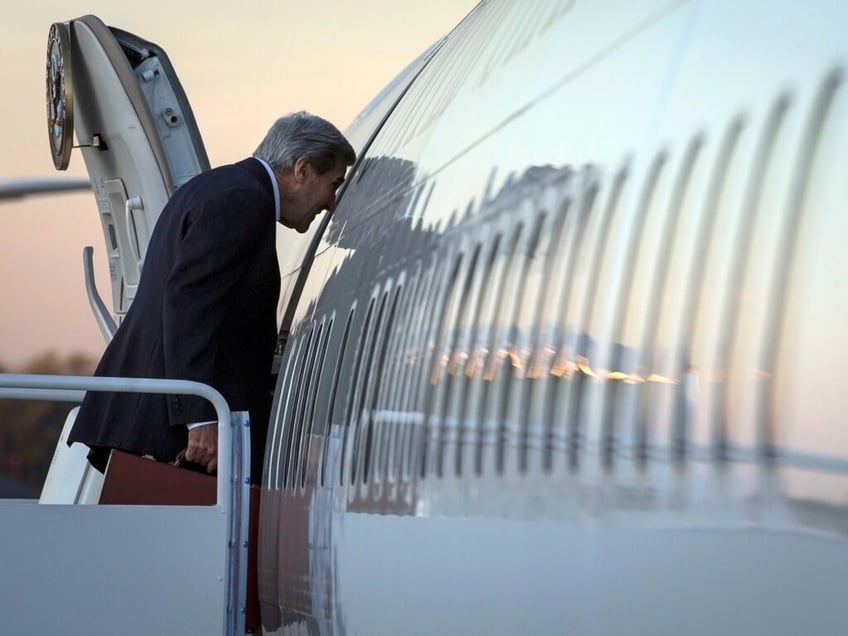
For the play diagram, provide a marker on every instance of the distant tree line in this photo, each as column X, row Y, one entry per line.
column 29, row 430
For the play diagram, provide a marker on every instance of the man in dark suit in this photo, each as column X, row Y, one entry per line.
column 205, row 309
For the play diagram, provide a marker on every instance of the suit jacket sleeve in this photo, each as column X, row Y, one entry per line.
column 217, row 241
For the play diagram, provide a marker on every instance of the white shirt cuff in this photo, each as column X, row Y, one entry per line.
column 194, row 425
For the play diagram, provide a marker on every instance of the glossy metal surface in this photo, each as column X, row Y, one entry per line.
column 295, row 250
column 567, row 360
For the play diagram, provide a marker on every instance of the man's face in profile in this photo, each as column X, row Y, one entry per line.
column 315, row 193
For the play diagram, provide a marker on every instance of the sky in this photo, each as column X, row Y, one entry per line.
column 241, row 69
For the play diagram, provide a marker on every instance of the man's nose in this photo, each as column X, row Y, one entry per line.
column 331, row 204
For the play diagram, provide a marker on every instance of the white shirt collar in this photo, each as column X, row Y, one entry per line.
column 274, row 184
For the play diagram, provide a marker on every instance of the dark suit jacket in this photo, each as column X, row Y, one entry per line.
column 205, row 310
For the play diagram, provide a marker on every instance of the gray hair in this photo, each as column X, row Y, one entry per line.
column 304, row 135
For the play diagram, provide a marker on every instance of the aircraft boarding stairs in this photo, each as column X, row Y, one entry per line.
column 67, row 568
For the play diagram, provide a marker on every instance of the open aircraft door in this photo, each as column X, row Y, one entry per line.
column 119, row 568
column 137, row 134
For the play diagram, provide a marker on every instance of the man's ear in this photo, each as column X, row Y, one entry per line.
column 301, row 168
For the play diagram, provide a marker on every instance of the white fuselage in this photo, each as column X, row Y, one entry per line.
column 566, row 358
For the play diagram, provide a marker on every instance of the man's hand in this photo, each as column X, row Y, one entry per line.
column 203, row 446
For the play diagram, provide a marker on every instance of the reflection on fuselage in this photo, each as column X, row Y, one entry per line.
column 578, row 312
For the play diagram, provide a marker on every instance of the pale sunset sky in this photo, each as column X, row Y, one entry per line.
column 241, row 64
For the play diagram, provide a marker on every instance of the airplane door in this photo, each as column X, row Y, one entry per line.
column 135, row 129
